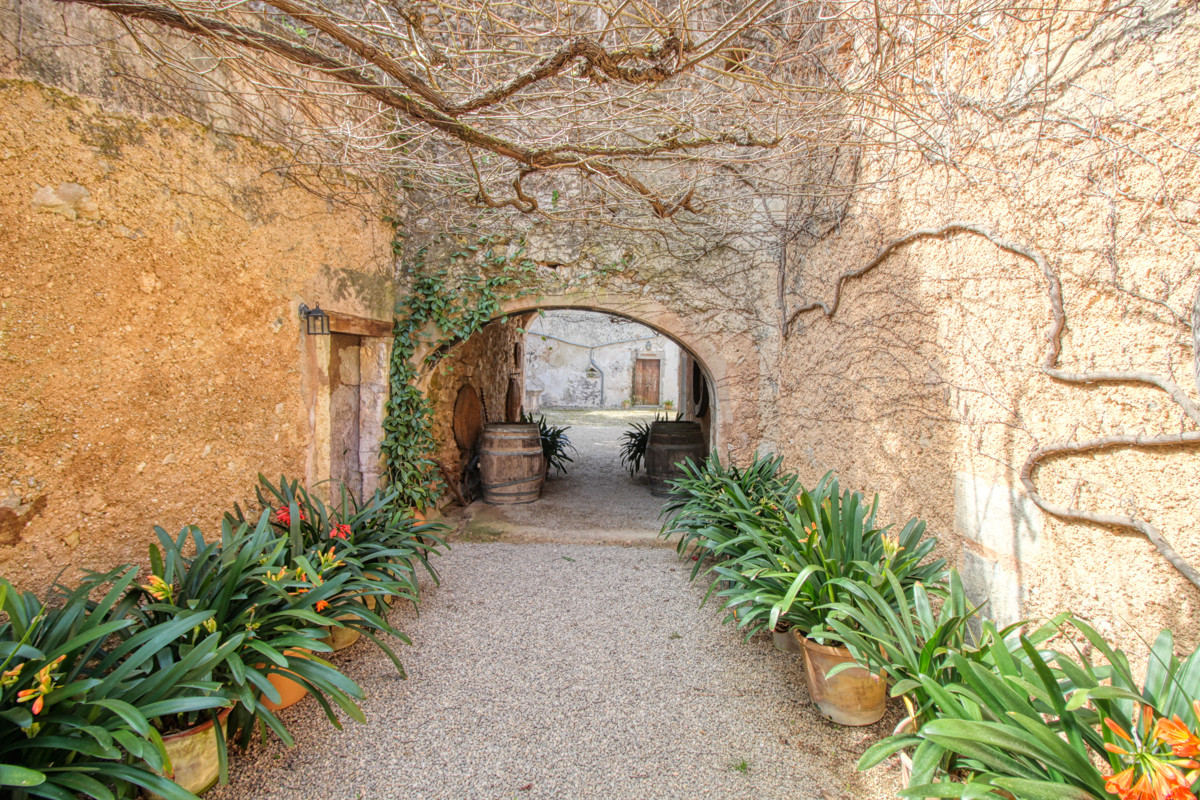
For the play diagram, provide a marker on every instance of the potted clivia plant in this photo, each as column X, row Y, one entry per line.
column 379, row 540
column 799, row 565
column 270, row 620
column 78, row 712
column 1025, row 720
column 907, row 634
column 711, row 506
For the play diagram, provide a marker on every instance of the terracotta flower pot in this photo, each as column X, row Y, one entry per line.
column 290, row 691
column 852, row 697
column 195, row 761
column 372, row 600
column 341, row 638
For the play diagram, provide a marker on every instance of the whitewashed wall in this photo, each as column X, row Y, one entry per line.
column 584, row 359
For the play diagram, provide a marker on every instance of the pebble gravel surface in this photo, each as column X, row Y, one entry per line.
column 565, row 656
column 567, row 671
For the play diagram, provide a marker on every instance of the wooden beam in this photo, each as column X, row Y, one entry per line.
column 359, row 326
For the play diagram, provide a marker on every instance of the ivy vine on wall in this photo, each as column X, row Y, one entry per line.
column 445, row 306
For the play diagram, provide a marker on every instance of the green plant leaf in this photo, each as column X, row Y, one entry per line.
column 13, row 775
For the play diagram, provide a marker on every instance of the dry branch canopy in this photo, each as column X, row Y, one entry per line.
column 569, row 109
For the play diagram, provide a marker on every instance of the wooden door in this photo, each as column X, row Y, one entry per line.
column 645, row 382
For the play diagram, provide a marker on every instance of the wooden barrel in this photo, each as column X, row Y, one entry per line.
column 669, row 444
column 510, row 463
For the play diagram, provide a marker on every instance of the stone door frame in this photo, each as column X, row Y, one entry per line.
column 375, row 351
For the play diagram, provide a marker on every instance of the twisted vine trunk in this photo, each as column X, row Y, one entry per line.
column 1050, row 367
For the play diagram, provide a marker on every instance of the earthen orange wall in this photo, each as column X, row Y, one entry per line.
column 151, row 358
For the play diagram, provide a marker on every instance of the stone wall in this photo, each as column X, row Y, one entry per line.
column 926, row 384
column 150, row 345
column 487, row 363
column 578, row 359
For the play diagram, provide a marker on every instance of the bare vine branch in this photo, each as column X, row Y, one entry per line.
column 1049, row 366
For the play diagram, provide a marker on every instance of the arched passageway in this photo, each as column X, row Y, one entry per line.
column 547, row 665
column 484, row 378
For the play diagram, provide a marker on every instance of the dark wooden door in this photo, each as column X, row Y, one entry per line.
column 645, row 382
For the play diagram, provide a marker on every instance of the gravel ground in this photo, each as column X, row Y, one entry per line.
column 565, row 669
column 594, row 502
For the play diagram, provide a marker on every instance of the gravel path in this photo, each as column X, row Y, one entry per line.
column 595, row 502
column 567, row 671
column 564, row 669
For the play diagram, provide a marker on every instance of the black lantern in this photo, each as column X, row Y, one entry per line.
column 316, row 320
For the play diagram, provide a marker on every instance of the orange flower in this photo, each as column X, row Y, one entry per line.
column 1176, row 734
column 10, row 676
column 340, row 532
column 1152, row 771
column 1161, row 782
column 322, row 605
column 43, row 684
column 159, row 589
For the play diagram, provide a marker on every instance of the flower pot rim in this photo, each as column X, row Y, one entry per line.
column 288, row 652
column 823, row 648
column 203, row 726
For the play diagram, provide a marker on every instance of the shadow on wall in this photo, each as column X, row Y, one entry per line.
column 910, row 390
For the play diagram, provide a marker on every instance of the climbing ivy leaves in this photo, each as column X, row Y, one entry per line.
column 444, row 307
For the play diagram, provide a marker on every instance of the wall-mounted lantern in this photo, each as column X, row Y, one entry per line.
column 316, row 321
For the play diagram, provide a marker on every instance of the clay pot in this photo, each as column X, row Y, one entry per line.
column 195, row 760
column 290, row 691
column 853, row 697
column 341, row 638
column 786, row 641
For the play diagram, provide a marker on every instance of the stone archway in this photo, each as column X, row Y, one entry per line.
column 721, row 357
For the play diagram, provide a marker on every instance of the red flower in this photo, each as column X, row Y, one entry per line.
column 340, row 532
column 284, row 517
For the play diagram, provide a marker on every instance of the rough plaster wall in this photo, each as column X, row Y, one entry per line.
column 925, row 385
column 151, row 357
column 559, row 370
column 486, row 362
